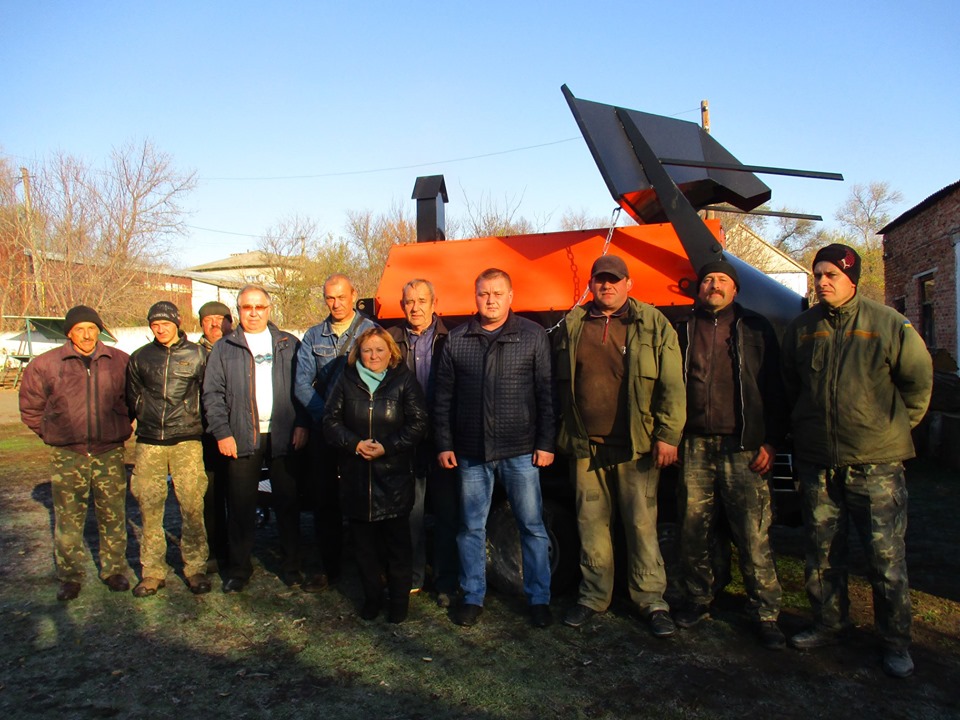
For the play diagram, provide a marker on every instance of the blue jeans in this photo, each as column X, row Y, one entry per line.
column 522, row 482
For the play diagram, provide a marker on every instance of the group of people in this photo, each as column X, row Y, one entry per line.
column 396, row 420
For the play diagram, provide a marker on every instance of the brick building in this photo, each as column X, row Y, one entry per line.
column 921, row 269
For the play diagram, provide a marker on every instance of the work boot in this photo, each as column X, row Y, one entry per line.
column 68, row 591
column 147, row 587
column 467, row 615
column 540, row 616
column 897, row 662
column 371, row 608
column 692, row 614
column 578, row 615
column 816, row 637
column 770, row 635
column 661, row 624
column 117, row 583
column 199, row 584
column 318, row 582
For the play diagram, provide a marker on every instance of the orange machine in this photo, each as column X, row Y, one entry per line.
column 550, row 270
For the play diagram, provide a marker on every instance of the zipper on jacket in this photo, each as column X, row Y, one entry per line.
column 369, row 462
column 834, row 383
column 163, row 412
column 738, row 348
column 91, row 406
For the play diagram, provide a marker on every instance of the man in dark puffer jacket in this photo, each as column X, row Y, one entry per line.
column 164, row 380
column 493, row 411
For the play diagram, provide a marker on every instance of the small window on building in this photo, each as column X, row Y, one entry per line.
column 927, row 291
column 900, row 305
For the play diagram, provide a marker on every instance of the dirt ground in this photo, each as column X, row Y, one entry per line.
column 273, row 652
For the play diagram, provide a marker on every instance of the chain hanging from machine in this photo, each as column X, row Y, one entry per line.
column 614, row 217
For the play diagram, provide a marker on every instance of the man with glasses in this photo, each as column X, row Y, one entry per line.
column 320, row 360
column 251, row 411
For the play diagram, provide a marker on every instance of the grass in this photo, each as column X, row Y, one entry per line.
column 274, row 652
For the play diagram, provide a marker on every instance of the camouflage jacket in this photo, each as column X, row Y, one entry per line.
column 859, row 378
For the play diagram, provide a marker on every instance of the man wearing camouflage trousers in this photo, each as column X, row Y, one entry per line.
column 164, row 380
column 735, row 421
column 859, row 378
column 73, row 398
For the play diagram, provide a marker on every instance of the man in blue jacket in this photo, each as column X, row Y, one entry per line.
column 320, row 360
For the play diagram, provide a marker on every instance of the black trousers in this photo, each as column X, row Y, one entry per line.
column 322, row 491
column 243, row 476
column 215, row 499
column 383, row 548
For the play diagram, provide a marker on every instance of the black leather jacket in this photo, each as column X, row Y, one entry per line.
column 396, row 416
column 163, row 390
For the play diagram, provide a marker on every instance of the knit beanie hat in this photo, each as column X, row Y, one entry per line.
column 721, row 266
column 844, row 257
column 215, row 307
column 79, row 314
column 164, row 310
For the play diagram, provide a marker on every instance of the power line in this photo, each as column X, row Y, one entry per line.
column 398, row 167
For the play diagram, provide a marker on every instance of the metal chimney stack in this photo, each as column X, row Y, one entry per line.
column 430, row 192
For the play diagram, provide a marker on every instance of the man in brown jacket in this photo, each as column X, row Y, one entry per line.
column 73, row 398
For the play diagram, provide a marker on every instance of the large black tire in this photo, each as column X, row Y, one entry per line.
column 504, row 558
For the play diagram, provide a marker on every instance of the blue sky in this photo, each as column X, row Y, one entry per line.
column 243, row 91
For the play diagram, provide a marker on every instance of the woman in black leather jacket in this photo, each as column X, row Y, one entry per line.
column 376, row 415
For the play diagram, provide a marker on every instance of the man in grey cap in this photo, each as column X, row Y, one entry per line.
column 164, row 382
column 215, row 322
column 859, row 379
column 736, row 419
column 73, row 398
column 622, row 411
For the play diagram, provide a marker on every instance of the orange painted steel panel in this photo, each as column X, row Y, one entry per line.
column 549, row 270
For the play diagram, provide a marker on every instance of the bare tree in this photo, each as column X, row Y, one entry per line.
column 290, row 252
column 865, row 211
column 489, row 218
column 97, row 236
column 580, row 220
column 371, row 236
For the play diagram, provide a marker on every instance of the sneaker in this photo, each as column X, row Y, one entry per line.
column 397, row 612
column 578, row 615
column 661, row 624
column 770, row 635
column 691, row 615
column 897, row 662
column 540, row 616
column 815, row 637
column 467, row 615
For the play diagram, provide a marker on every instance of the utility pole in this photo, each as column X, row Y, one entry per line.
column 705, row 124
column 28, row 208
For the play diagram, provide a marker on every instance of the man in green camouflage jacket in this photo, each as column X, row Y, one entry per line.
column 859, row 378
